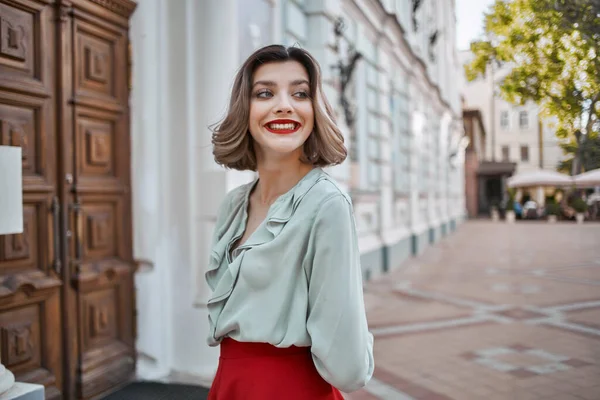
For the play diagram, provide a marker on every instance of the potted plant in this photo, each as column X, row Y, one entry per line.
column 552, row 210
column 510, row 207
column 495, row 214
column 580, row 207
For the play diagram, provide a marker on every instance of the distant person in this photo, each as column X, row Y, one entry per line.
column 287, row 305
column 518, row 209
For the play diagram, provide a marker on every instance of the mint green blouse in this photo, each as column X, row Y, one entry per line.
column 296, row 281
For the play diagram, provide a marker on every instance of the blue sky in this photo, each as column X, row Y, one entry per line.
column 469, row 25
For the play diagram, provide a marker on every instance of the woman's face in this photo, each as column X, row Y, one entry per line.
column 281, row 110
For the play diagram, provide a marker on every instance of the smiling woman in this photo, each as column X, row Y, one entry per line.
column 281, row 113
column 272, row 77
column 287, row 306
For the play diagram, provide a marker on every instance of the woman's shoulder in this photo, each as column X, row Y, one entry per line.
column 237, row 194
column 235, row 197
column 327, row 189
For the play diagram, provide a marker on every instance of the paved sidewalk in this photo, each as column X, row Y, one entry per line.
column 494, row 311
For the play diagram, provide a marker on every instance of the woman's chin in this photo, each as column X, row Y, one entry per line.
column 284, row 144
column 283, row 151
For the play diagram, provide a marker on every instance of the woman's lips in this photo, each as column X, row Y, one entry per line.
column 283, row 127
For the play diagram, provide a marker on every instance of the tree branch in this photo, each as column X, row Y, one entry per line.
column 590, row 122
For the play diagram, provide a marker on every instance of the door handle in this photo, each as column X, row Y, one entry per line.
column 56, row 264
column 76, row 207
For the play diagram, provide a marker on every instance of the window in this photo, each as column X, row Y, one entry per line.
column 523, row 120
column 254, row 26
column 404, row 119
column 401, row 134
column 504, row 122
column 524, row 153
column 505, row 153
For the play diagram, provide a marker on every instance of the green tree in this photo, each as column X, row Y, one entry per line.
column 588, row 151
column 553, row 48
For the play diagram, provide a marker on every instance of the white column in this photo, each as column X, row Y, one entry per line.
column 214, row 61
column 431, row 137
column 417, row 121
column 149, row 41
column 361, row 123
column 445, row 125
column 185, row 56
column 386, row 131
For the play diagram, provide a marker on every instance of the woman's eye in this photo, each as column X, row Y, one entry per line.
column 264, row 94
column 302, row 95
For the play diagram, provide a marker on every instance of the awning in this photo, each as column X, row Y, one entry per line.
column 496, row 168
column 539, row 177
column 588, row 179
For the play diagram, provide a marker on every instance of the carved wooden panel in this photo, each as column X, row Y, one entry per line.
column 28, row 349
column 96, row 155
column 100, row 64
column 107, row 352
column 17, row 39
column 31, row 249
column 100, row 231
column 22, row 246
column 20, row 338
column 20, row 127
column 100, row 316
column 26, row 46
column 95, row 69
column 18, row 342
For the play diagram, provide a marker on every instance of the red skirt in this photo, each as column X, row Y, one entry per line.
column 260, row 371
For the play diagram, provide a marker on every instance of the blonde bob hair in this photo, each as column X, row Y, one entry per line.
column 233, row 145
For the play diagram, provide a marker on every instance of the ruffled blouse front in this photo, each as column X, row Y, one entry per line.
column 295, row 281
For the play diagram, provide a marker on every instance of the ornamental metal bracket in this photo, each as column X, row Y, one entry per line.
column 415, row 7
column 433, row 37
column 346, row 66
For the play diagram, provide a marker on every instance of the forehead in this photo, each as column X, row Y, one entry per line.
column 280, row 72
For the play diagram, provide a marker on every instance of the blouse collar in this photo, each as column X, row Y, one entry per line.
column 280, row 212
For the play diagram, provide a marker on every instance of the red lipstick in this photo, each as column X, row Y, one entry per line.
column 296, row 124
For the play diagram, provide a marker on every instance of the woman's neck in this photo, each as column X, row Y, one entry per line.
column 276, row 179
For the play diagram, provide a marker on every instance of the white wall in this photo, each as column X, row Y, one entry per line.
column 177, row 187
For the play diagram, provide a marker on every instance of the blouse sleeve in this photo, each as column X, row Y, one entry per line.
column 342, row 346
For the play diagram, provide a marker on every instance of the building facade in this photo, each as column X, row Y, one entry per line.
column 516, row 133
column 111, row 102
column 405, row 172
column 474, row 156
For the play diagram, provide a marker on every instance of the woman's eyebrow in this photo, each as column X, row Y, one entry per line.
column 300, row 82
column 271, row 83
column 265, row 83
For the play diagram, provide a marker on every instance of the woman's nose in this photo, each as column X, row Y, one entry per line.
column 283, row 106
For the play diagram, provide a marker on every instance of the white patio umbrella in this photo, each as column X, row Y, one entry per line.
column 589, row 179
column 538, row 178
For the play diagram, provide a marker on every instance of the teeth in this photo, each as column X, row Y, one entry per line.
column 282, row 127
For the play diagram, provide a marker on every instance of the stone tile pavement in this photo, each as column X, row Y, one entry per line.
column 494, row 311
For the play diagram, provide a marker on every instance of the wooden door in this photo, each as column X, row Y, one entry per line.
column 30, row 281
column 101, row 265
column 66, row 283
